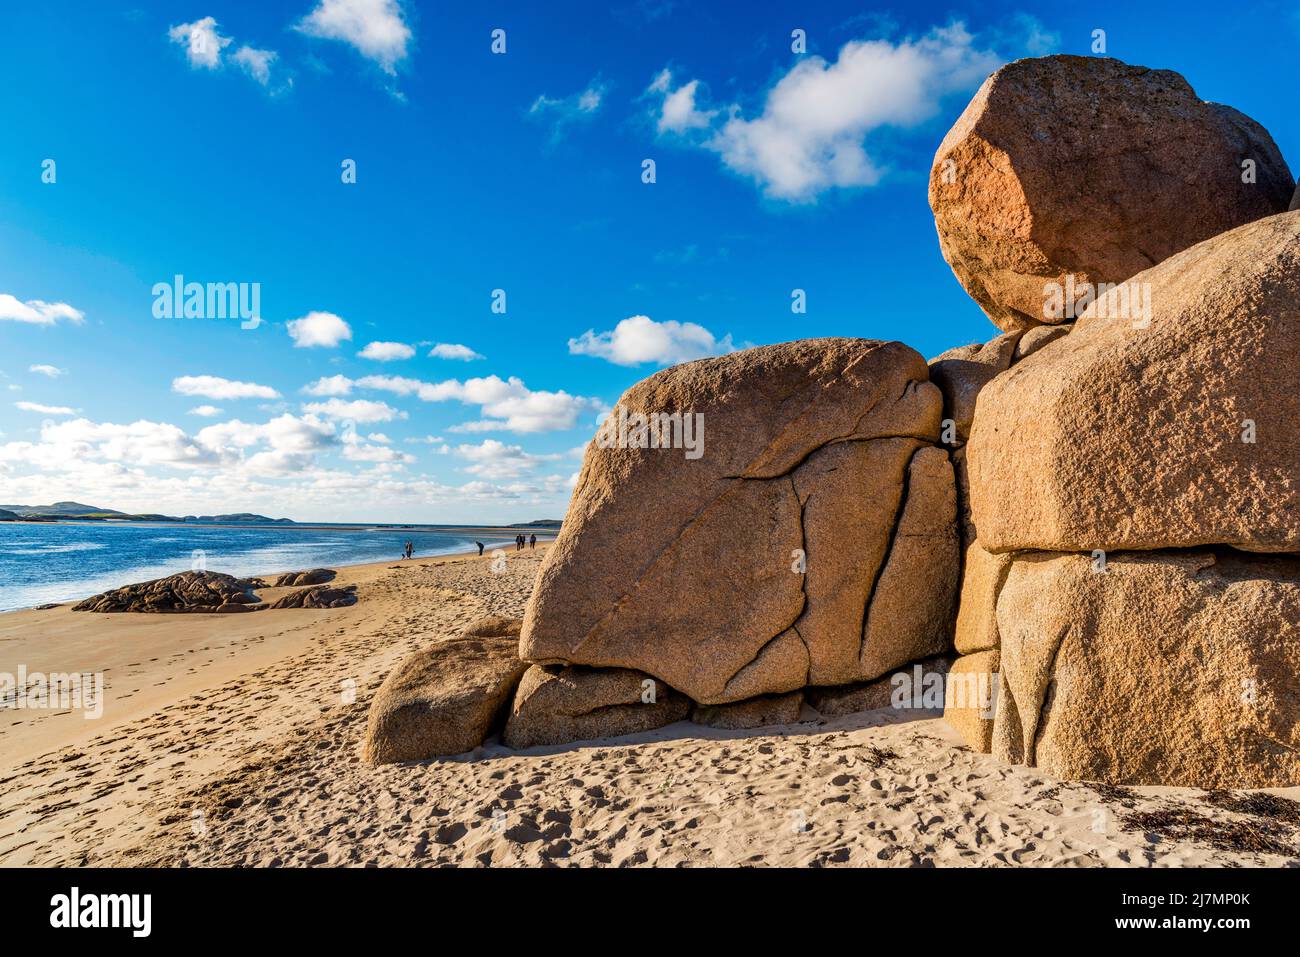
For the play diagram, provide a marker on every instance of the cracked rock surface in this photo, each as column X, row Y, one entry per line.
column 690, row 569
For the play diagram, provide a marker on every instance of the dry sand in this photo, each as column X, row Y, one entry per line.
column 235, row 740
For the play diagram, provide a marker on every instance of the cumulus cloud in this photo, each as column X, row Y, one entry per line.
column 375, row 28
column 640, row 339
column 810, row 135
column 319, row 329
column 451, row 350
column 329, row 386
column 45, row 409
column 386, row 351
column 678, row 112
column 506, row 404
column 203, row 43
column 357, row 410
column 205, row 411
column 52, row 372
column 215, row 387
column 256, row 63
column 497, row 461
column 37, row 311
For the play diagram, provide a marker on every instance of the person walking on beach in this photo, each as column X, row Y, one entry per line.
column 532, row 541
column 480, row 549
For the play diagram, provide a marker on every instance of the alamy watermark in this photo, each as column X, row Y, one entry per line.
column 918, row 688
column 655, row 430
column 179, row 299
column 53, row 691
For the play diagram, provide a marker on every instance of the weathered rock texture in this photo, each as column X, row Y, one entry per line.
column 1174, row 433
column 318, row 596
column 1086, row 166
column 313, row 576
column 184, row 592
column 689, row 569
column 556, row 705
column 754, row 713
column 447, row 698
column 1174, row 668
column 970, row 698
column 899, row 690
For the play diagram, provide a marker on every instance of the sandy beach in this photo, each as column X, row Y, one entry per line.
column 235, row 740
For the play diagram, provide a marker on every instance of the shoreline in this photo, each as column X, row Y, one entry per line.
column 338, row 567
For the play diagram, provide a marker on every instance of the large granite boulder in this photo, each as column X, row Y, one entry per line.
column 318, row 596
column 756, row 564
column 183, row 592
column 1089, row 167
column 1173, row 668
column 1169, row 433
column 446, row 698
column 557, row 704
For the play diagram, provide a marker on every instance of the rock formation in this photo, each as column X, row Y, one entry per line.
column 183, row 592
column 1085, row 167
column 313, row 576
column 318, row 596
column 753, row 713
column 556, row 705
column 447, row 698
column 813, row 541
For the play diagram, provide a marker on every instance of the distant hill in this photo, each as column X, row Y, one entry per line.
column 59, row 508
column 544, row 523
column 66, row 510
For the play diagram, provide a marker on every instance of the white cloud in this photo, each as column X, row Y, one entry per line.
column 206, row 411
column 329, row 385
column 256, row 63
column 203, row 44
column 374, row 27
column 319, row 329
column 639, row 339
column 678, row 112
column 358, row 410
column 37, row 311
column 386, row 351
column 45, row 409
column 52, row 372
column 451, row 350
column 561, row 112
column 811, row 133
column 215, row 387
column 495, row 460
column 508, row 405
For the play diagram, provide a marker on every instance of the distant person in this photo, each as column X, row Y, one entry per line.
column 519, row 543
column 480, row 548
column 532, row 541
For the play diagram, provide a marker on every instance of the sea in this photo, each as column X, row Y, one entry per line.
column 49, row 562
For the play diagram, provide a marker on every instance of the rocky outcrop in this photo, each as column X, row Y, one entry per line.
column 319, row 596
column 1169, row 431
column 184, row 592
column 557, row 705
column 790, row 551
column 446, row 698
column 1086, row 167
column 1173, row 668
column 901, row 690
column 313, row 576
column 754, row 713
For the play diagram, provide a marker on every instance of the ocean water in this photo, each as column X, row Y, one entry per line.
column 42, row 563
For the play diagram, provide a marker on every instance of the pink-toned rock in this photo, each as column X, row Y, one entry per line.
column 1168, row 432
column 970, row 698
column 747, row 570
column 1092, row 168
column 556, row 705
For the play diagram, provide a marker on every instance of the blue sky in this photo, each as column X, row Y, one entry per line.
column 207, row 139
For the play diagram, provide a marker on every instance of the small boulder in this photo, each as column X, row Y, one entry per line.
column 445, row 699
column 970, row 698
column 313, row 576
column 319, row 596
column 556, row 705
